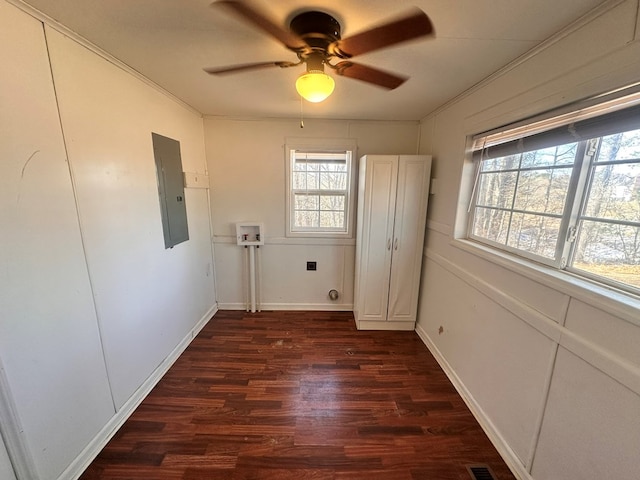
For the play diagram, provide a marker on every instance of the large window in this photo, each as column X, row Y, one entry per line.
column 565, row 191
column 320, row 184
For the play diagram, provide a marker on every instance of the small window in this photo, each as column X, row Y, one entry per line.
column 320, row 186
column 567, row 195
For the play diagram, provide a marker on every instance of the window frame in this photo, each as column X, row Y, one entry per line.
column 565, row 219
column 580, row 183
column 321, row 146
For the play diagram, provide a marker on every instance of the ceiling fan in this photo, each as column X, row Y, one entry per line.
column 315, row 37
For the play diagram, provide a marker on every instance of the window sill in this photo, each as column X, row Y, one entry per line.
column 621, row 304
column 327, row 235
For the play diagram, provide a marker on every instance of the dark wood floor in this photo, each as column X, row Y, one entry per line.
column 299, row 395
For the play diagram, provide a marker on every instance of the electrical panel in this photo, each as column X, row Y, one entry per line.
column 166, row 152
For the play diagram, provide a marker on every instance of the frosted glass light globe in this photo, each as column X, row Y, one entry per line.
column 315, row 86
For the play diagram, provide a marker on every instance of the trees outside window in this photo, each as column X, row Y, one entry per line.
column 574, row 205
column 320, row 191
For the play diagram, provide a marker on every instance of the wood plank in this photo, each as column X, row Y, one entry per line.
column 300, row 396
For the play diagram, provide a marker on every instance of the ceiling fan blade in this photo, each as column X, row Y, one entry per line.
column 261, row 20
column 369, row 75
column 412, row 25
column 247, row 66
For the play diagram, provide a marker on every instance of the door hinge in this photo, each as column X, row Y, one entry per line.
column 571, row 234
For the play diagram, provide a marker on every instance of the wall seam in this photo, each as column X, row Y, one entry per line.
column 612, row 365
column 536, row 439
column 78, row 217
column 636, row 31
column 540, row 420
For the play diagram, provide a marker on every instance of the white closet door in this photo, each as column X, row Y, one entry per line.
column 408, row 238
column 377, row 232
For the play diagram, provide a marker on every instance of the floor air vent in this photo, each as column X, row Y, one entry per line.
column 480, row 472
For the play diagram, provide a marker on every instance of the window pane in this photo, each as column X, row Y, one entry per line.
column 302, row 166
column 299, row 181
column 534, row 234
column 543, row 191
column 332, row 202
column 333, row 181
column 621, row 146
column 491, row 224
column 333, row 167
column 560, row 155
column 609, row 250
column 306, row 176
column 332, row 220
column 496, row 189
column 306, row 202
column 307, row 219
column 313, row 181
column 525, row 204
column 501, row 163
column 615, row 192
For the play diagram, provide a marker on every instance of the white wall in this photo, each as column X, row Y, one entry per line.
column 6, row 469
column 94, row 308
column 108, row 116
column 49, row 337
column 554, row 378
column 246, row 162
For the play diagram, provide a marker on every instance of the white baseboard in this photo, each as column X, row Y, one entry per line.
column 507, row 453
column 374, row 325
column 343, row 307
column 82, row 461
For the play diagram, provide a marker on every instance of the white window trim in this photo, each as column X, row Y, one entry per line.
column 620, row 302
column 322, row 145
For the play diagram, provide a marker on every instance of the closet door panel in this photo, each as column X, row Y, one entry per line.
column 376, row 241
column 410, row 219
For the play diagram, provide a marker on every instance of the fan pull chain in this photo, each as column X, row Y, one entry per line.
column 301, row 114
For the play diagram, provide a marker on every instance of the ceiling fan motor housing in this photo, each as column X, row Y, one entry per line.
column 317, row 29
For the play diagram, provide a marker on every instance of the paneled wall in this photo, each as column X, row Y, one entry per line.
column 246, row 161
column 93, row 308
column 6, row 469
column 549, row 364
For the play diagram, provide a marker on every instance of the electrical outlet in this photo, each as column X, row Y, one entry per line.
column 311, row 266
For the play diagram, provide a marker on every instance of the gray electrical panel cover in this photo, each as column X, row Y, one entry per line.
column 171, row 190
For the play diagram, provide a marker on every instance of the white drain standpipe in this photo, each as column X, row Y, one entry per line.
column 252, row 277
column 250, row 235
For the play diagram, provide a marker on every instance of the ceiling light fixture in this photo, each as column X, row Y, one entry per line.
column 315, row 85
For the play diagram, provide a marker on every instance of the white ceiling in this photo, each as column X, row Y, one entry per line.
column 171, row 41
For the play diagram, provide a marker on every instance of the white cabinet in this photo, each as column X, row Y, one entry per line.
column 392, row 210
